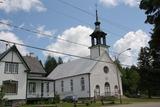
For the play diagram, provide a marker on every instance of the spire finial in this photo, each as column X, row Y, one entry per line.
column 96, row 13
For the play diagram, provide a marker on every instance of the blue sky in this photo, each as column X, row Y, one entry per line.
column 122, row 20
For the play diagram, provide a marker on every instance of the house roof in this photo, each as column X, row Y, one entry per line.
column 73, row 68
column 14, row 48
column 34, row 65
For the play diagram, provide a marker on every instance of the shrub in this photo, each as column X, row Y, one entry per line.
column 2, row 99
column 56, row 99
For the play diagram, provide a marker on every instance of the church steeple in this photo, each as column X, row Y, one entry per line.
column 98, row 37
column 98, row 40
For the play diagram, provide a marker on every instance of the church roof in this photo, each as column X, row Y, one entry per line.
column 73, row 68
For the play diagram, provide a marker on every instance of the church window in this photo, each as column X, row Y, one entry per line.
column 107, row 89
column 62, row 86
column 106, row 69
column 71, row 83
column 116, row 89
column 82, row 84
column 97, row 91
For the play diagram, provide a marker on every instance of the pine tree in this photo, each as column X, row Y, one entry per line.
column 145, row 70
column 130, row 80
column 152, row 10
column 50, row 64
column 60, row 61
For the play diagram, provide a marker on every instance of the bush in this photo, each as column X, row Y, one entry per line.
column 56, row 99
column 2, row 100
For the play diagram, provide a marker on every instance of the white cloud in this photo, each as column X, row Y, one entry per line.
column 109, row 2
column 43, row 32
column 4, row 26
column 25, row 5
column 79, row 34
column 9, row 36
column 131, row 3
column 133, row 40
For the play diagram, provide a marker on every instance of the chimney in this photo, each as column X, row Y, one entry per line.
column 31, row 54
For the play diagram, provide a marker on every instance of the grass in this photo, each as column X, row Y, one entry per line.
column 139, row 100
column 98, row 103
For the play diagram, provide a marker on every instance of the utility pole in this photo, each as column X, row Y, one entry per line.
column 118, row 75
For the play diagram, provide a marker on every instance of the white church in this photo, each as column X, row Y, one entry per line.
column 90, row 77
column 23, row 77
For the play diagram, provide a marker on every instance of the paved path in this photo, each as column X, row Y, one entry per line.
column 156, row 104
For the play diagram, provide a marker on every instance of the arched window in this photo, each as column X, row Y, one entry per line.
column 107, row 89
column 82, row 84
column 101, row 40
column 97, row 91
column 116, row 89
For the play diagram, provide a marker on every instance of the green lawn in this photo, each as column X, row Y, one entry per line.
column 98, row 103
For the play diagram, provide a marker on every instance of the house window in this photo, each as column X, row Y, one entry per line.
column 71, row 83
column 11, row 68
column 32, row 87
column 47, row 86
column 62, row 86
column 82, row 84
column 10, row 87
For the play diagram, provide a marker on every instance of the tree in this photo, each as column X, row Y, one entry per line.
column 144, row 66
column 130, row 80
column 2, row 99
column 152, row 10
column 50, row 64
column 60, row 61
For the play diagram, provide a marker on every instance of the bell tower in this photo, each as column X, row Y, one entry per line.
column 98, row 40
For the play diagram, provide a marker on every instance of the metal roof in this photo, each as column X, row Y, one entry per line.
column 73, row 68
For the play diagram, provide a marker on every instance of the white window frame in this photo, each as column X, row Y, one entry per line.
column 82, row 84
column 11, row 68
column 47, row 87
column 32, row 87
